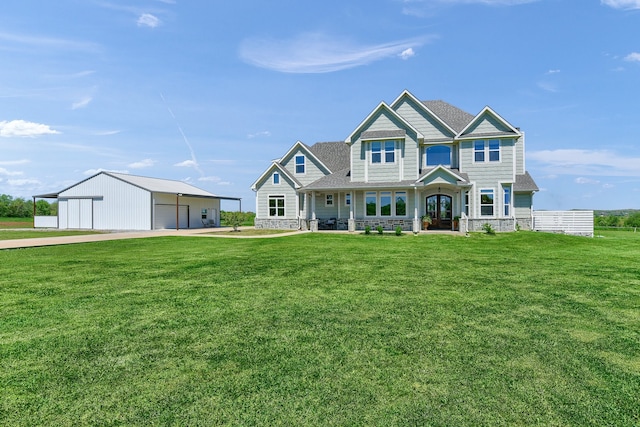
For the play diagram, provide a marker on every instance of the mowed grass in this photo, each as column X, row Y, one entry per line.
column 323, row 329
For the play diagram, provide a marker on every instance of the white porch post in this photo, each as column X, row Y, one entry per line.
column 416, row 220
column 313, row 224
column 352, row 220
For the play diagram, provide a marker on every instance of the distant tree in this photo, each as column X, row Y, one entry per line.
column 5, row 201
column 19, row 208
column 632, row 220
column 43, row 208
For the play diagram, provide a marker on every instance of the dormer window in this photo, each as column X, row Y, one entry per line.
column 300, row 164
column 439, row 155
column 276, row 178
column 377, row 148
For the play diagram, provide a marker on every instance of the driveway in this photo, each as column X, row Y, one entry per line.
column 85, row 238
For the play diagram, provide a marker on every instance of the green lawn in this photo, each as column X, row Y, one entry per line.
column 323, row 329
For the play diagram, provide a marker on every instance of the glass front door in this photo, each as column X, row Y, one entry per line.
column 439, row 209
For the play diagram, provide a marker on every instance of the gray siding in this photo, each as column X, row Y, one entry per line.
column 313, row 170
column 520, row 166
column 266, row 188
column 487, row 124
column 488, row 173
column 429, row 127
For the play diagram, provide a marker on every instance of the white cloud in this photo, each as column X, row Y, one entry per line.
column 318, row 53
column 23, row 182
column 48, row 42
column 548, row 86
column 146, row 163
column 14, row 162
column 148, row 20
column 187, row 164
column 489, row 2
column 82, row 103
column 107, row 132
column 583, row 180
column 257, row 134
column 552, row 72
column 407, row 53
column 6, row 172
column 622, row 4
column 633, row 57
column 210, row 178
column 586, row 162
column 24, row 128
column 90, row 172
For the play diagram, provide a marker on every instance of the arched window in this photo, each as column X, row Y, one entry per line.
column 439, row 155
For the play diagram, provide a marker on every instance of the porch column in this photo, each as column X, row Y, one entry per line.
column 352, row 220
column 416, row 220
column 313, row 224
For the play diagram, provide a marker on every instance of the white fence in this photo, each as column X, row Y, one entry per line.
column 579, row 223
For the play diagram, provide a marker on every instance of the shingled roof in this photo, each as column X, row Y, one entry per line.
column 335, row 155
column 456, row 118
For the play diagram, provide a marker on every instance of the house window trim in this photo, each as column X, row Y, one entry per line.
column 426, row 156
column 284, row 205
column 329, row 200
column 303, row 164
column 393, row 209
column 487, row 151
column 275, row 178
column 347, row 199
column 493, row 202
column 383, row 152
column 507, row 209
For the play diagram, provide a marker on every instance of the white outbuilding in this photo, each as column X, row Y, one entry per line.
column 117, row 201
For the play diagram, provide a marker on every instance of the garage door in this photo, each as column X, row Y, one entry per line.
column 80, row 213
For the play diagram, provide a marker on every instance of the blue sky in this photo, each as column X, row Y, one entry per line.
column 211, row 91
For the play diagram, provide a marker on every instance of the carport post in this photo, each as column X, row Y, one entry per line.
column 178, row 211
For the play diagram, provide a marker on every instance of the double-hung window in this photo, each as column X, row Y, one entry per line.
column 478, row 151
column 347, row 199
column 376, row 155
column 507, row 200
column 300, row 164
column 494, row 150
column 328, row 201
column 276, row 206
column 486, row 202
column 383, row 152
column 389, row 151
column 486, row 150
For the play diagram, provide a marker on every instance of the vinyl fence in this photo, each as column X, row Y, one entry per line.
column 578, row 223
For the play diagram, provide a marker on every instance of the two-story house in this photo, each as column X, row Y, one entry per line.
column 404, row 161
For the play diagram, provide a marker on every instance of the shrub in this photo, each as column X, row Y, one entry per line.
column 488, row 228
column 398, row 231
column 367, row 230
column 380, row 229
column 518, row 227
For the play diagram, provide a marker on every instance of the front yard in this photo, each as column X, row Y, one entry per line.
column 323, row 329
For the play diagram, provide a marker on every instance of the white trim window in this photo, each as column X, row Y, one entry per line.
column 276, row 206
column 301, row 166
column 486, row 202
column 385, row 203
column 347, row 199
column 438, row 155
column 466, row 203
column 378, row 148
column 328, row 200
column 401, row 203
column 371, row 203
column 486, row 150
column 276, row 178
column 507, row 200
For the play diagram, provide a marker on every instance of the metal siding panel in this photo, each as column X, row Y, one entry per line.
column 73, row 213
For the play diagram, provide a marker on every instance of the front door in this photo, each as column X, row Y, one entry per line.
column 439, row 209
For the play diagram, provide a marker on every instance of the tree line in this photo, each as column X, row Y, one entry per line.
column 611, row 220
column 20, row 208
